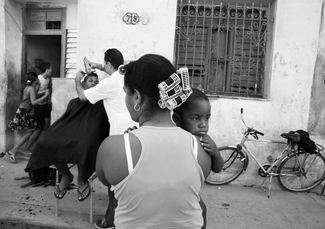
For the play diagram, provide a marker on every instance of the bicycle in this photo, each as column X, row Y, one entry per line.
column 296, row 170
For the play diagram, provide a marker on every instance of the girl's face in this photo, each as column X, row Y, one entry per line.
column 195, row 117
column 90, row 81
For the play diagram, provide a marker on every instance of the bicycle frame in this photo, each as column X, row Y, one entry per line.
column 287, row 150
column 292, row 161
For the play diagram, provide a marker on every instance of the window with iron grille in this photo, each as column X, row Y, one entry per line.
column 225, row 46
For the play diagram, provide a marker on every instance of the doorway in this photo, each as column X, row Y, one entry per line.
column 43, row 48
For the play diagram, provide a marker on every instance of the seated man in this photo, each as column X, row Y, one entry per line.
column 74, row 138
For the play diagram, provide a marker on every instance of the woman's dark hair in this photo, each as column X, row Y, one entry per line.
column 145, row 74
column 31, row 77
column 114, row 56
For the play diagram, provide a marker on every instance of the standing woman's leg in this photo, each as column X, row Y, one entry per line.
column 12, row 153
column 110, row 212
column 32, row 139
column 108, row 221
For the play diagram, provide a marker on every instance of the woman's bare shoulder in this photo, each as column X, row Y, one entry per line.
column 111, row 159
column 112, row 145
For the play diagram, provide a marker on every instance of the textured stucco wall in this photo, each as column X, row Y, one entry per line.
column 103, row 28
column 317, row 103
column 3, row 75
column 63, row 91
column 295, row 42
column 12, row 66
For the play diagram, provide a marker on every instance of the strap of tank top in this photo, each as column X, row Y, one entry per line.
column 128, row 152
column 195, row 147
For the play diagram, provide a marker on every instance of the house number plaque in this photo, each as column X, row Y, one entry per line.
column 131, row 18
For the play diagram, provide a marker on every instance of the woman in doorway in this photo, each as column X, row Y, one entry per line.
column 24, row 118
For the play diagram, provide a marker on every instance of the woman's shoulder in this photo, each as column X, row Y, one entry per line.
column 112, row 143
column 29, row 89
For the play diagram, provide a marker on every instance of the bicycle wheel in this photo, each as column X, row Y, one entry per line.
column 234, row 164
column 301, row 172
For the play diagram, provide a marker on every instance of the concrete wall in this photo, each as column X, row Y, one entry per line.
column 11, row 69
column 63, row 91
column 3, row 75
column 295, row 45
column 317, row 103
column 103, row 28
column 72, row 16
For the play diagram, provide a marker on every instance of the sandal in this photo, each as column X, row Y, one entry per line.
column 11, row 156
column 58, row 193
column 2, row 154
column 81, row 196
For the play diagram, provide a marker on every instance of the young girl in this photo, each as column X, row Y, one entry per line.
column 23, row 119
column 193, row 116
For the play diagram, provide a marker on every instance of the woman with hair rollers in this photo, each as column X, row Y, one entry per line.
column 158, row 170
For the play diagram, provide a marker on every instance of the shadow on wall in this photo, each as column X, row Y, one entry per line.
column 316, row 122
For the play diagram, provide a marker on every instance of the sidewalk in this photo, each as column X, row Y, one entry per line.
column 228, row 206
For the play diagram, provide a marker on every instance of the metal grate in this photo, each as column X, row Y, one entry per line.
column 224, row 46
column 55, row 25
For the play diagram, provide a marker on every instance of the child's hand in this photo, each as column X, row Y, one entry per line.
column 208, row 145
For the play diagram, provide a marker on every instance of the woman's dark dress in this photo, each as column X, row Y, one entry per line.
column 74, row 138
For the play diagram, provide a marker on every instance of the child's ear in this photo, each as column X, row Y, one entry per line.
column 176, row 119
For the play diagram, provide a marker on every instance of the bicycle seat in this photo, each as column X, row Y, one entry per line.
column 291, row 136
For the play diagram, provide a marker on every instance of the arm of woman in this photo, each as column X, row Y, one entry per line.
column 32, row 95
column 111, row 165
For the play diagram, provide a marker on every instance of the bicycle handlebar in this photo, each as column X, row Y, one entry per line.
column 250, row 130
column 260, row 133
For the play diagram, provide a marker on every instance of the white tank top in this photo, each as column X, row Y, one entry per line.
column 162, row 190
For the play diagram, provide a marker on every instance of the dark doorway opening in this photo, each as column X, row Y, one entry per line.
column 43, row 48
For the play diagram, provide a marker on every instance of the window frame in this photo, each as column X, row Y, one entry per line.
column 202, row 70
column 61, row 32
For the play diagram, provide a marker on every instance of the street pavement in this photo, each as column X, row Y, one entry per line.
column 228, row 206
